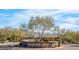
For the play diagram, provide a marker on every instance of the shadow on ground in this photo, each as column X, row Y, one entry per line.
column 74, row 45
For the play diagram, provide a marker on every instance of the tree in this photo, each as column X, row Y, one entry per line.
column 40, row 25
column 56, row 30
column 17, row 35
column 71, row 36
column 11, row 34
column 23, row 27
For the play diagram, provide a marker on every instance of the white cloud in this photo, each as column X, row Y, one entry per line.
column 68, row 25
column 72, row 20
column 34, row 12
column 17, row 19
column 24, row 16
column 39, row 12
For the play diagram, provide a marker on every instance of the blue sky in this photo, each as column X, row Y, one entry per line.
column 68, row 19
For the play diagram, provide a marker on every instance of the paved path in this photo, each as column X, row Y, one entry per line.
column 70, row 47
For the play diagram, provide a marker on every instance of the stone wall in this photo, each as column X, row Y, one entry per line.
column 39, row 44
